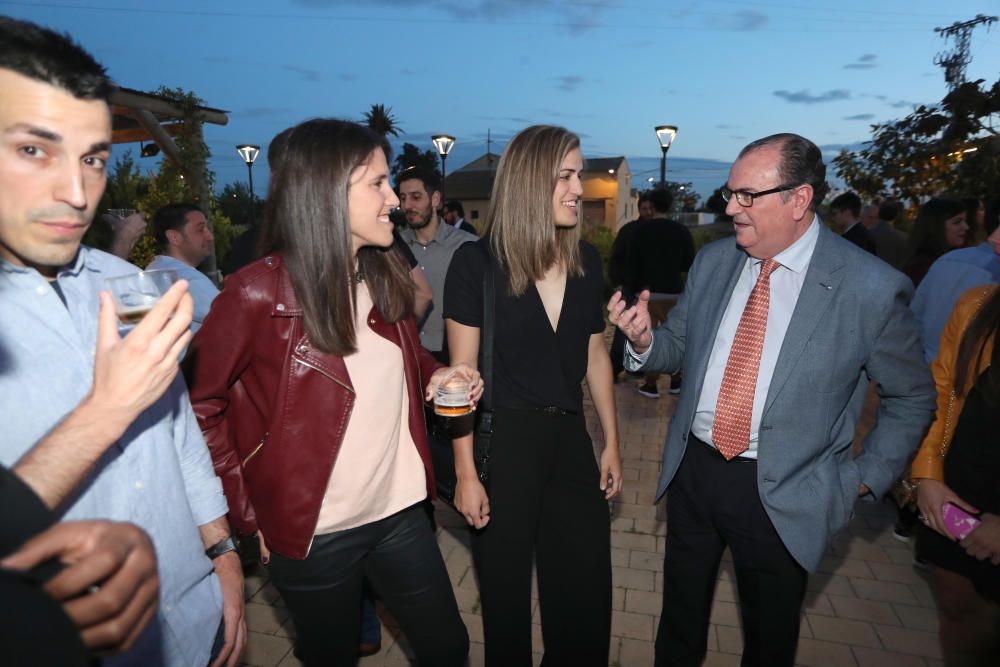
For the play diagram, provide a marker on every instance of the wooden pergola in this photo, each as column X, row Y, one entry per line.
column 144, row 117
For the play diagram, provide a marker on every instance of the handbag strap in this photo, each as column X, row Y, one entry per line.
column 486, row 344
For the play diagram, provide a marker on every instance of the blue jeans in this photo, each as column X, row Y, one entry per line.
column 401, row 559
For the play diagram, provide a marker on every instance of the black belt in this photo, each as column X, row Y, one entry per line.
column 740, row 459
column 548, row 409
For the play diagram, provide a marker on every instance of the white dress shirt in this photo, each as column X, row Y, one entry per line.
column 786, row 283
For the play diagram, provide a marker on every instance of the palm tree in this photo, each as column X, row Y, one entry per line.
column 380, row 119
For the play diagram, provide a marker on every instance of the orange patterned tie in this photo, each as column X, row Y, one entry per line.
column 731, row 428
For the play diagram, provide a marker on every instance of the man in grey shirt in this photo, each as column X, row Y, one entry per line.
column 890, row 243
column 433, row 244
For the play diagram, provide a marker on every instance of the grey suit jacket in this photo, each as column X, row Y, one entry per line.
column 851, row 322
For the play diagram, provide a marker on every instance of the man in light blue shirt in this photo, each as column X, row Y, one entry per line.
column 184, row 241
column 952, row 274
column 132, row 449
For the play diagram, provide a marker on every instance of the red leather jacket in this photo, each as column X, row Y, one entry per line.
column 273, row 409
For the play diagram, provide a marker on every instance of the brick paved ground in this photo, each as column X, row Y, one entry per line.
column 868, row 607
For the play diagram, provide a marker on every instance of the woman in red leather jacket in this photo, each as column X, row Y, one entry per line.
column 308, row 382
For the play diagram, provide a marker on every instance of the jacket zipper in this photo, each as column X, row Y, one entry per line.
column 255, row 450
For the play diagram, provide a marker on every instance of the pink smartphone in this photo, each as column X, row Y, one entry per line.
column 957, row 521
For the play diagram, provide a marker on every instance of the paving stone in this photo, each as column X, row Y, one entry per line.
column 265, row 618
column 831, row 584
column 843, row 630
column 725, row 590
column 643, row 602
column 715, row 659
column 885, row 591
column 635, row 653
column 871, row 657
column 730, row 639
column 913, row 642
column 871, row 611
column 917, row 618
column 849, row 567
column 644, row 560
column 265, row 650
column 902, row 574
column 642, row 580
column 817, row 653
column 818, row 603
column 633, row 541
column 633, row 626
column 725, row 613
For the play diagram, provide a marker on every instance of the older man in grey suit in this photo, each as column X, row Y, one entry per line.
column 777, row 334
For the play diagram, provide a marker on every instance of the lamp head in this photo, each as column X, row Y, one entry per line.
column 443, row 143
column 248, row 152
column 665, row 134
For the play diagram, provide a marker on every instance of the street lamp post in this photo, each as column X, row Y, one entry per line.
column 249, row 153
column 443, row 143
column 665, row 135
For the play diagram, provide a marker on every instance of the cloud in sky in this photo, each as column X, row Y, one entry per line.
column 867, row 61
column 860, row 116
column 578, row 17
column 745, row 20
column 805, row 97
column 568, row 83
column 305, row 72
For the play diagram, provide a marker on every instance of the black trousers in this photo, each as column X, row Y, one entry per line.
column 713, row 503
column 401, row 559
column 545, row 503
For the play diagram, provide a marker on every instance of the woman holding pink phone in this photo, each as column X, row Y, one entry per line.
column 958, row 474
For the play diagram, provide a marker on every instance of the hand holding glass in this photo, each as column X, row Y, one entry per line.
column 136, row 294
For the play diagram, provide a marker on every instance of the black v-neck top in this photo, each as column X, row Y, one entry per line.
column 533, row 366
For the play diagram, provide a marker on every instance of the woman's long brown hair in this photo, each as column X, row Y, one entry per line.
column 520, row 220
column 307, row 221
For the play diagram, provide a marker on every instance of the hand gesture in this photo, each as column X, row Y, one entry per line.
column 108, row 586
column 634, row 322
column 131, row 373
column 611, row 472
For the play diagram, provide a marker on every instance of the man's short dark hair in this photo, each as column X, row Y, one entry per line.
column 888, row 210
column 661, row 199
column 53, row 58
column 455, row 207
column 431, row 181
column 801, row 163
column 171, row 216
column 847, row 201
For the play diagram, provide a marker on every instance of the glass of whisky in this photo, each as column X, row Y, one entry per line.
column 452, row 397
column 137, row 293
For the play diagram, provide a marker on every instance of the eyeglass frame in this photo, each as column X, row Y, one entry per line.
column 753, row 195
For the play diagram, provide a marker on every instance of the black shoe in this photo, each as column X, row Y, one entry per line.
column 675, row 383
column 649, row 390
column 901, row 532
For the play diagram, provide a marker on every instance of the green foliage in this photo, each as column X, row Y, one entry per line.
column 922, row 155
column 717, row 205
column 235, row 203
column 702, row 236
column 411, row 156
column 601, row 238
column 683, row 194
column 379, row 118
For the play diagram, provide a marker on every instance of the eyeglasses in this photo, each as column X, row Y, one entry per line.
column 745, row 198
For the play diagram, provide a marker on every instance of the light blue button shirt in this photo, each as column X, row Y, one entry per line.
column 949, row 277
column 158, row 475
column 201, row 289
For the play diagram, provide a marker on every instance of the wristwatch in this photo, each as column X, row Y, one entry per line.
column 222, row 547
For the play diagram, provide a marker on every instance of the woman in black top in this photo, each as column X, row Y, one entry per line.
column 548, row 496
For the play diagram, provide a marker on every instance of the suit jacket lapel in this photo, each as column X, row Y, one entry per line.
column 818, row 293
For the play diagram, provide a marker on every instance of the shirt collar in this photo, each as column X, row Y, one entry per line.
column 81, row 261
column 796, row 256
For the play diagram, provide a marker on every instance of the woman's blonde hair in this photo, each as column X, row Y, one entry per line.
column 520, row 220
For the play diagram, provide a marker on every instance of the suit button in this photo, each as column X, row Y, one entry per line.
column 269, row 261
column 280, row 306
